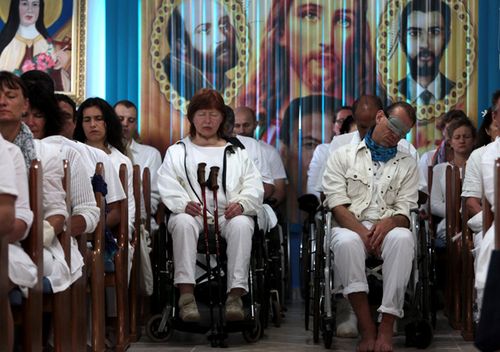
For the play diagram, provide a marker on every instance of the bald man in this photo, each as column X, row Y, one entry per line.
column 245, row 124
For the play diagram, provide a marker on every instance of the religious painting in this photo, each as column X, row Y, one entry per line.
column 45, row 35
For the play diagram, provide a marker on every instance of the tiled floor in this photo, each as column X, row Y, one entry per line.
column 292, row 336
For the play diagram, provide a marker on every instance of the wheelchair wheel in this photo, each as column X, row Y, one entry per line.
column 253, row 334
column 153, row 329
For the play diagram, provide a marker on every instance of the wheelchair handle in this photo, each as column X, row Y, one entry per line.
column 212, row 178
column 201, row 174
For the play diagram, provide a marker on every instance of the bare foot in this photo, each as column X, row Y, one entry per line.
column 367, row 344
column 384, row 340
column 368, row 338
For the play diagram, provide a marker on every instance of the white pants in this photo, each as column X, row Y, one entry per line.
column 238, row 233
column 349, row 265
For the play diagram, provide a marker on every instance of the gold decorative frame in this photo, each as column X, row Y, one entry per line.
column 158, row 50
column 459, row 56
column 76, row 29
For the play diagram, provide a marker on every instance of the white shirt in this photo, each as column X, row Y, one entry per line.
column 257, row 155
column 82, row 196
column 491, row 153
column 316, row 166
column 473, row 179
column 354, row 138
column 349, row 181
column 23, row 210
column 274, row 160
column 7, row 180
column 91, row 157
column 147, row 156
column 54, row 196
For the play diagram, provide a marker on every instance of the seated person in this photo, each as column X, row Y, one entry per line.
column 140, row 154
column 239, row 197
column 371, row 187
column 462, row 137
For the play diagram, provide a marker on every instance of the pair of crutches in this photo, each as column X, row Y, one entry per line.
column 217, row 336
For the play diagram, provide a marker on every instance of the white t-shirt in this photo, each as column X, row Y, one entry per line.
column 7, row 180
column 257, row 155
column 473, row 181
column 91, row 157
column 491, row 153
column 147, row 156
column 316, row 166
column 274, row 160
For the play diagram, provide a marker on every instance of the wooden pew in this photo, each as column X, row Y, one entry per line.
column 119, row 278
column 58, row 303
column 30, row 314
column 467, row 275
column 94, row 261
column 453, row 250
column 134, row 292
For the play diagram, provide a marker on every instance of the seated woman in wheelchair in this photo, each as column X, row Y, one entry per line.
column 371, row 187
column 239, row 196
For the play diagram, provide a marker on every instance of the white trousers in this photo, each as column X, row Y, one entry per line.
column 238, row 233
column 349, row 265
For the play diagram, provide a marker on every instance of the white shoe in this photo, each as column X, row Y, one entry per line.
column 188, row 310
column 347, row 322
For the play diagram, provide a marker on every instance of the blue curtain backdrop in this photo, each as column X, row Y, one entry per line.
column 122, row 50
column 489, row 53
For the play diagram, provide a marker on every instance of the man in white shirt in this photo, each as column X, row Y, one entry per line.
column 491, row 153
column 371, row 187
column 245, row 124
column 141, row 154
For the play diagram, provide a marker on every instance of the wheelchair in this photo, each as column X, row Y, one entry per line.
column 209, row 292
column 419, row 308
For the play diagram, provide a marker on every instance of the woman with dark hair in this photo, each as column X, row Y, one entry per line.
column 461, row 135
column 240, row 196
column 45, row 122
column 25, row 43
column 98, row 126
column 487, row 132
column 43, row 117
column 14, row 104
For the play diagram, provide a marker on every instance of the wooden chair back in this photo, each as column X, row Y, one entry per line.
column 94, row 261
column 146, row 191
column 134, row 292
column 453, row 248
column 32, row 308
column 467, row 244
column 119, row 278
column 59, row 302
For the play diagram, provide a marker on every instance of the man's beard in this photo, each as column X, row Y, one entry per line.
column 225, row 58
column 426, row 70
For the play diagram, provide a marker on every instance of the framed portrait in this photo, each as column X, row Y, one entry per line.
column 182, row 55
column 45, row 35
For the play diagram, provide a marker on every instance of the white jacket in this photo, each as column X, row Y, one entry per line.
column 349, row 180
column 178, row 184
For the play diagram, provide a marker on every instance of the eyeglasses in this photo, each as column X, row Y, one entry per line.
column 397, row 126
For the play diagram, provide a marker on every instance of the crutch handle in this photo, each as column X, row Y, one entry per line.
column 212, row 178
column 201, row 174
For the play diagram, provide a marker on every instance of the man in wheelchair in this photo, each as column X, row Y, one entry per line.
column 238, row 198
column 370, row 188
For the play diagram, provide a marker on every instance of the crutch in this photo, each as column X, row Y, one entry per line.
column 202, row 182
column 214, row 187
